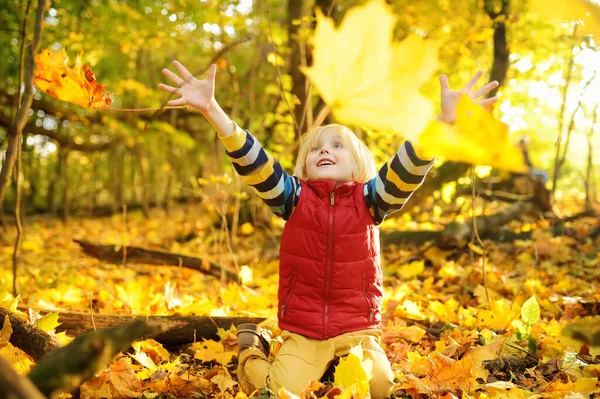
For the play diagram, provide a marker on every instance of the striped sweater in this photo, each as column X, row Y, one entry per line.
column 387, row 192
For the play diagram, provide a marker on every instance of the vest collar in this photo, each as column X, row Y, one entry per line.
column 324, row 188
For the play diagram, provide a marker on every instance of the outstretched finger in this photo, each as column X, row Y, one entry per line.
column 177, row 102
column 485, row 89
column 183, row 70
column 488, row 101
column 212, row 70
column 176, row 79
column 444, row 83
column 471, row 83
column 170, row 89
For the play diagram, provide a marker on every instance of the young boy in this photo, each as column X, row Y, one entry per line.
column 330, row 279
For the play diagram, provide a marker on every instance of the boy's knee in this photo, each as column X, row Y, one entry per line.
column 382, row 385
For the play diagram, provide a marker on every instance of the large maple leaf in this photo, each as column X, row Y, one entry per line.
column 366, row 78
column 478, row 138
column 584, row 11
column 76, row 85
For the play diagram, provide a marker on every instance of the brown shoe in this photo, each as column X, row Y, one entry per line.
column 252, row 336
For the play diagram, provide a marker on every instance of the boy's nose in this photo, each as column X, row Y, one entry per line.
column 324, row 150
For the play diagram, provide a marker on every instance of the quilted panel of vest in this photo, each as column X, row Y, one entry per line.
column 288, row 295
column 365, row 286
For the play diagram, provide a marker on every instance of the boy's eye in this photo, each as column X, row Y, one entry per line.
column 316, row 148
column 337, row 146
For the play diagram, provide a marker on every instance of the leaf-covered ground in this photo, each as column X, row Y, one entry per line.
column 442, row 336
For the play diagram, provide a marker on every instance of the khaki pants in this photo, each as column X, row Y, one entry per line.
column 303, row 359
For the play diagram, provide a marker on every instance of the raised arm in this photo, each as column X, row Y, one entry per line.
column 399, row 178
column 256, row 167
column 395, row 182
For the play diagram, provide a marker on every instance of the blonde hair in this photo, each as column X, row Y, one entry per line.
column 364, row 165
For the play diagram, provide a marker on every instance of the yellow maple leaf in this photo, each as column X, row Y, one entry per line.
column 478, row 138
column 153, row 349
column 208, row 350
column 445, row 374
column 582, row 386
column 365, row 77
column 584, row 11
column 48, row 322
column 498, row 317
column 353, row 369
column 75, row 85
column 117, row 382
column 411, row 270
column 5, row 332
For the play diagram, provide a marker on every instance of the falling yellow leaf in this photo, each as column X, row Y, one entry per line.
column 478, row 138
column 366, row 78
column 353, row 369
column 584, row 11
column 75, row 85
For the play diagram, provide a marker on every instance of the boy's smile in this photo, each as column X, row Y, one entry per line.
column 330, row 159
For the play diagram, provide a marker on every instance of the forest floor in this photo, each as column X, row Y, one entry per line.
column 441, row 334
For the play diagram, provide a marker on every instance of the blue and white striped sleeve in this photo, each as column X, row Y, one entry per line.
column 395, row 182
column 262, row 172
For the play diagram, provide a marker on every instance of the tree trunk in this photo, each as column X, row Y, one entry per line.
column 16, row 127
column 561, row 116
column 175, row 329
column 109, row 253
column 498, row 11
column 65, row 179
column 590, row 164
column 297, row 13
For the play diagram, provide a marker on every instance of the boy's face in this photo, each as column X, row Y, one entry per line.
column 330, row 159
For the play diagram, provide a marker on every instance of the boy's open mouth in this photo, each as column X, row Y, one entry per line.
column 325, row 162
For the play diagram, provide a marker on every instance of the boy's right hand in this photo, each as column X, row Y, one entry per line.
column 199, row 94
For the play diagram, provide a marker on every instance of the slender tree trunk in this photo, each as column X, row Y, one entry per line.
column 297, row 13
column 590, row 164
column 52, row 186
column 561, row 116
column 65, row 194
column 18, row 219
column 498, row 11
column 16, row 127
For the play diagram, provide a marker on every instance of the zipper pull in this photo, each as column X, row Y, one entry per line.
column 331, row 200
column 282, row 311
column 371, row 314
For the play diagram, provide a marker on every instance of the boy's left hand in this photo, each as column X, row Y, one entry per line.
column 449, row 98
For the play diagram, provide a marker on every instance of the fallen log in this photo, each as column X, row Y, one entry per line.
column 175, row 329
column 66, row 368
column 110, row 253
column 457, row 234
column 30, row 339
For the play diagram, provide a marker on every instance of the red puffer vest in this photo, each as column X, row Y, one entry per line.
column 330, row 280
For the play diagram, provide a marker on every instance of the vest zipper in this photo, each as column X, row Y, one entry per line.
column 329, row 265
